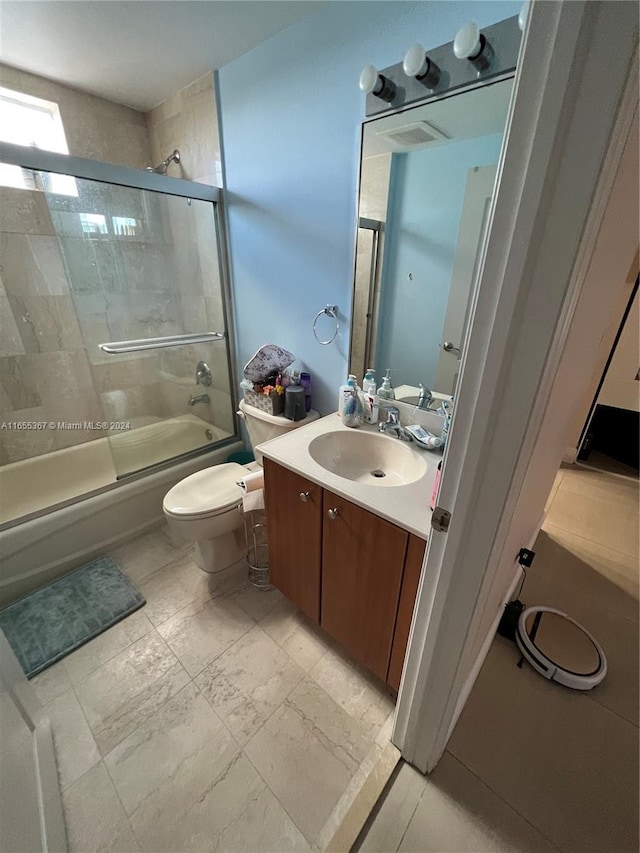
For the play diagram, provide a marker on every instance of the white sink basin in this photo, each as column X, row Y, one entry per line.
column 369, row 458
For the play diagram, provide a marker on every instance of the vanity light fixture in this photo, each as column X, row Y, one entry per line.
column 471, row 44
column 374, row 83
column 417, row 64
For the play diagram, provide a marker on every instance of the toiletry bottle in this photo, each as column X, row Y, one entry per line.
column 436, row 486
column 385, row 391
column 305, row 381
column 371, row 409
column 345, row 391
column 353, row 413
column 369, row 381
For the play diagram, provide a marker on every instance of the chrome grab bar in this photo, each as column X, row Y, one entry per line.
column 114, row 347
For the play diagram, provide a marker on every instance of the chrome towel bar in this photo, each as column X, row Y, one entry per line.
column 115, row 347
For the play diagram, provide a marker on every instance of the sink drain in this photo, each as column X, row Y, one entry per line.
column 378, row 473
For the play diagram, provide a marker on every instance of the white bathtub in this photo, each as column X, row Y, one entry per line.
column 89, row 510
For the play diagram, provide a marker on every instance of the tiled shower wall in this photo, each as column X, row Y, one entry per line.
column 64, row 291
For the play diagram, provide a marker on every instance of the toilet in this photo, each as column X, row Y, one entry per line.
column 204, row 507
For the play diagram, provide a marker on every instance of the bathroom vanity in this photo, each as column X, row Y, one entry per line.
column 344, row 545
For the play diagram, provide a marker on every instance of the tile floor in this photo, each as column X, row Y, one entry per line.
column 531, row 765
column 215, row 718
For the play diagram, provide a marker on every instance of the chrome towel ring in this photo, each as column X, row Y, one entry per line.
column 330, row 311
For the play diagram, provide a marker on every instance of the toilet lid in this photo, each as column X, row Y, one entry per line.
column 205, row 492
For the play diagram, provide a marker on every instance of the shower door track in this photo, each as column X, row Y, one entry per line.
column 94, row 170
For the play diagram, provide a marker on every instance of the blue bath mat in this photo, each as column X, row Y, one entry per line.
column 53, row 621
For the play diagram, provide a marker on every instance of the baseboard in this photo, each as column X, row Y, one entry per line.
column 570, row 455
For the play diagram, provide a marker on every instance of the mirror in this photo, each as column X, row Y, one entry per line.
column 427, row 177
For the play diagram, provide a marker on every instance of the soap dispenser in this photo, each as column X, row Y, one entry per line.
column 369, row 382
column 385, row 391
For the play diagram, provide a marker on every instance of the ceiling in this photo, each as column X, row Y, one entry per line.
column 137, row 53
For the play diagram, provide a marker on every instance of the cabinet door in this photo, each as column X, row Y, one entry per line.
column 362, row 560
column 410, row 580
column 294, row 521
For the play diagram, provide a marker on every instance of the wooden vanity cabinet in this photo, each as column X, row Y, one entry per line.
column 411, row 578
column 362, row 560
column 294, row 522
column 352, row 572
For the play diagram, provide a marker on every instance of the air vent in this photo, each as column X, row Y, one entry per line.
column 413, row 135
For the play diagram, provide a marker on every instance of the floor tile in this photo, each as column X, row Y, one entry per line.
column 175, row 538
column 388, row 824
column 247, row 683
column 296, row 634
column 226, row 810
column 171, row 758
column 118, row 696
column 258, row 603
column 362, row 697
column 328, row 722
column 76, row 749
column 263, row 826
column 50, row 683
column 172, row 587
column 615, row 577
column 95, row 819
column 457, row 813
column 84, row 660
column 595, row 519
column 568, row 765
column 201, row 631
column 145, row 554
column 183, row 582
column 601, row 486
column 300, row 768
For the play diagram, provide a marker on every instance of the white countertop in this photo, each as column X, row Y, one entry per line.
column 406, row 505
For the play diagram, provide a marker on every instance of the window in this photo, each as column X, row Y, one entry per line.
column 25, row 120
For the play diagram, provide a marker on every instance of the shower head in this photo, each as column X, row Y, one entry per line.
column 162, row 168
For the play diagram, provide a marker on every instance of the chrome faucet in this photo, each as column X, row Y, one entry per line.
column 392, row 424
column 425, row 399
column 201, row 398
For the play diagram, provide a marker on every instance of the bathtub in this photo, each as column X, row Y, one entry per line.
column 63, row 508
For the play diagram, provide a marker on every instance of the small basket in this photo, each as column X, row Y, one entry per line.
column 272, row 403
column 255, row 532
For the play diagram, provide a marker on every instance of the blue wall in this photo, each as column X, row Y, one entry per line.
column 290, row 113
column 426, row 192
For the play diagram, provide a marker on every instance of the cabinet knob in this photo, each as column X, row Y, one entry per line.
column 304, row 497
column 333, row 514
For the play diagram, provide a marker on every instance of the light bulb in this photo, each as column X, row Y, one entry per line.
column 466, row 44
column 415, row 62
column 374, row 83
column 369, row 79
column 524, row 14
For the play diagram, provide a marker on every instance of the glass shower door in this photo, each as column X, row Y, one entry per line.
column 146, row 265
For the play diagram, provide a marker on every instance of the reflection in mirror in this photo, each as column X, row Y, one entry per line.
column 426, row 183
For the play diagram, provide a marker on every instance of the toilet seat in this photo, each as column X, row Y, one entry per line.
column 206, row 493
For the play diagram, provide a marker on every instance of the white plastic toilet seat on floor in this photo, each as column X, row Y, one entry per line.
column 559, row 648
column 206, row 493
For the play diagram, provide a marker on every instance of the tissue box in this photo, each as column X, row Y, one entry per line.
column 272, row 403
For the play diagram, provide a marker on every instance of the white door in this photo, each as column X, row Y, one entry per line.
column 563, row 143
column 473, row 226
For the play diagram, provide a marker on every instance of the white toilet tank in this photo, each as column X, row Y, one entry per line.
column 262, row 426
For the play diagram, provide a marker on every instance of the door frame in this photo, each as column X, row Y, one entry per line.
column 563, row 144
